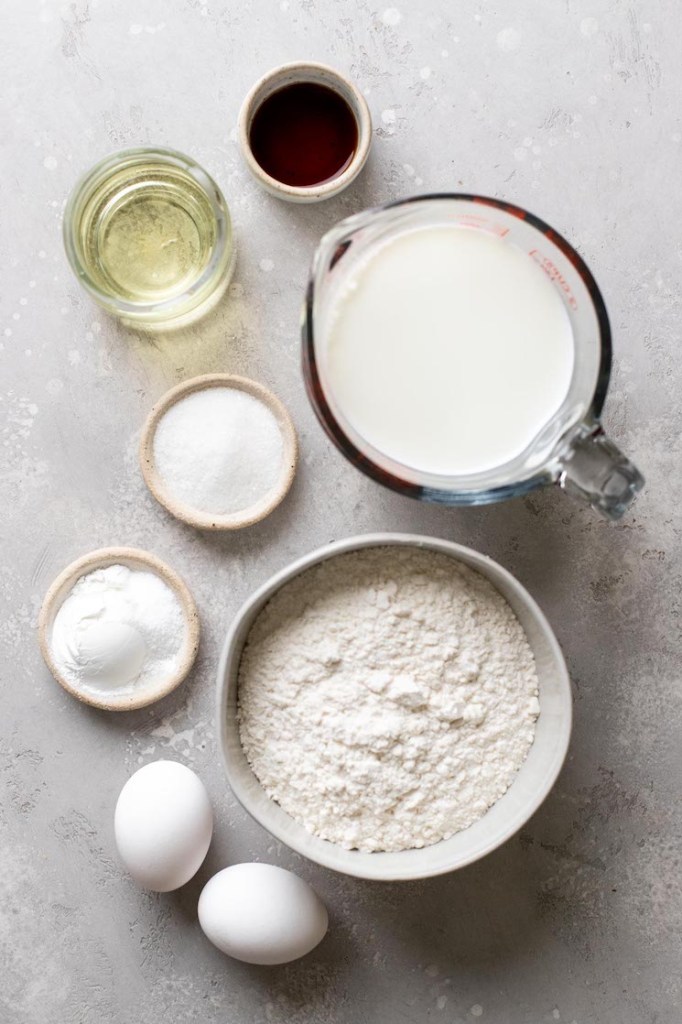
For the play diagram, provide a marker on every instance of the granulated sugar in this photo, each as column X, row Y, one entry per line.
column 218, row 450
column 387, row 698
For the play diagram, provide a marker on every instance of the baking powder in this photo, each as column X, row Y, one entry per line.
column 118, row 629
column 388, row 698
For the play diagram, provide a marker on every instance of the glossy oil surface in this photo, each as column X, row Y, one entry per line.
column 147, row 232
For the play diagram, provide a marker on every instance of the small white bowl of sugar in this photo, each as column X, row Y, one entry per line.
column 219, row 452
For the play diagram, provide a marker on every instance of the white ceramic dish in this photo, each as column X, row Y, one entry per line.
column 530, row 787
column 143, row 561
column 214, row 520
column 320, row 74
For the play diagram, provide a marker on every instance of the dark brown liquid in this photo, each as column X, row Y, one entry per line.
column 304, row 134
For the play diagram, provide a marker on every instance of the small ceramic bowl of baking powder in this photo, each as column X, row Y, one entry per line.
column 219, row 452
column 68, row 643
column 502, row 820
column 338, row 125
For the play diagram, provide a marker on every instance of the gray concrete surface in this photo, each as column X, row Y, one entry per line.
column 570, row 108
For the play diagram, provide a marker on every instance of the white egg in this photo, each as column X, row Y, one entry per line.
column 163, row 825
column 261, row 914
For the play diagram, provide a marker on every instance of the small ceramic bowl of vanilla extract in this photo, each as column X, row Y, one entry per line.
column 305, row 132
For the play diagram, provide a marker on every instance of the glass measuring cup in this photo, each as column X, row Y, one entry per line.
column 571, row 449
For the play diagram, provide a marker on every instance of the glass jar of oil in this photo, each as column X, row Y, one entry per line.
column 148, row 234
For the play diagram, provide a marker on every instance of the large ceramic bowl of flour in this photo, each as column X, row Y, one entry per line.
column 284, row 766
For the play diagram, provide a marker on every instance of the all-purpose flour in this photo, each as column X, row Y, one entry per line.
column 387, row 698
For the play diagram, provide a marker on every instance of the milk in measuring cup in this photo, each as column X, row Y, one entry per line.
column 448, row 350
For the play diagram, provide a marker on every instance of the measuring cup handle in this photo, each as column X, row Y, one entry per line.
column 596, row 471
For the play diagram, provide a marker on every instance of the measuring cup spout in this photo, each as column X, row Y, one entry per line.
column 596, row 471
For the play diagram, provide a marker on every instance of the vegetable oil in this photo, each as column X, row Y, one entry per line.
column 148, row 233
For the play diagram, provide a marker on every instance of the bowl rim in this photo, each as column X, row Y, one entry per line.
column 323, row 852
column 210, row 520
column 59, row 590
column 288, row 74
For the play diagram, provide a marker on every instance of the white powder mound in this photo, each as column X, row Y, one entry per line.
column 387, row 698
column 117, row 630
column 218, row 450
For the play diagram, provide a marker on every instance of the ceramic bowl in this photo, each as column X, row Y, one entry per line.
column 211, row 520
column 291, row 74
column 530, row 787
column 133, row 559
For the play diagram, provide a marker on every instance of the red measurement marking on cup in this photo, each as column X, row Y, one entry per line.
column 473, row 220
column 555, row 275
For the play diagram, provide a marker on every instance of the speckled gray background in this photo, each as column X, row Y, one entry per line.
column 570, row 108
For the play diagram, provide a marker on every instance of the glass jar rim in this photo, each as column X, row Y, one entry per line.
column 219, row 257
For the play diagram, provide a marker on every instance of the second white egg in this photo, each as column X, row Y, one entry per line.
column 163, row 825
column 261, row 914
